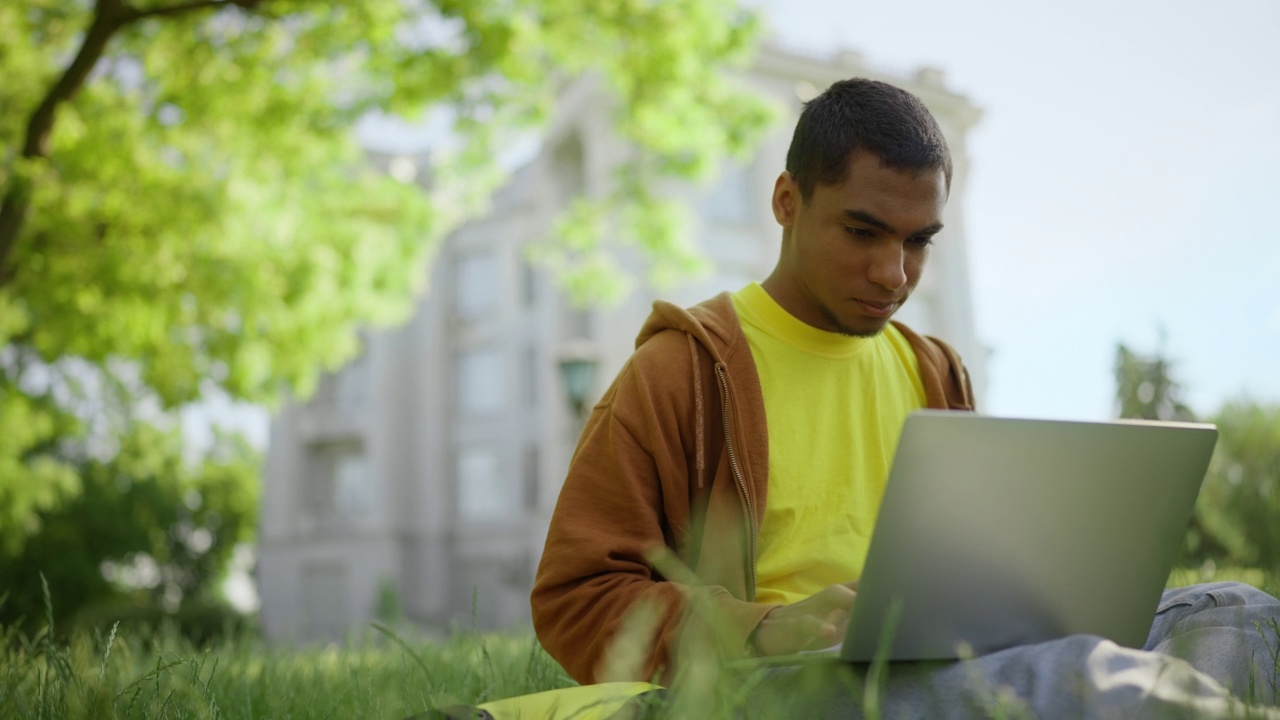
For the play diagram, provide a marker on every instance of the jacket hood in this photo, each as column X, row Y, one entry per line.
column 713, row 323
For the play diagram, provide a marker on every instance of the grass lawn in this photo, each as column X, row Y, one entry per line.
column 163, row 676
column 123, row 673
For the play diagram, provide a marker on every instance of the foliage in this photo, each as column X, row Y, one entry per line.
column 1145, row 388
column 148, row 530
column 201, row 207
column 32, row 478
column 1239, row 506
column 1237, row 515
column 201, row 621
column 389, row 608
column 185, row 210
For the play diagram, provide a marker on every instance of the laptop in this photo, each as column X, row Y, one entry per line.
column 997, row 532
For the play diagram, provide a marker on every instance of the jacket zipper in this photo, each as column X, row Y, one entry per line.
column 737, row 473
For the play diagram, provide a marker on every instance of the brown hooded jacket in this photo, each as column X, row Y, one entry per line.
column 675, row 456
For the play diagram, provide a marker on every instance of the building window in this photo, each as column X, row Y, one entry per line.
column 481, row 382
column 476, row 285
column 730, row 199
column 339, row 485
column 486, row 491
column 531, row 461
column 528, row 284
column 353, row 488
column 568, row 161
column 530, row 373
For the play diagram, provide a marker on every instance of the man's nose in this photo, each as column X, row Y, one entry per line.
column 888, row 268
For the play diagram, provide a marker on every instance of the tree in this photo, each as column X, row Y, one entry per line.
column 149, row 529
column 184, row 208
column 1144, row 388
column 1236, row 521
column 1240, row 502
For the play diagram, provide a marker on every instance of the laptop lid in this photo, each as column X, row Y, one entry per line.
column 996, row 532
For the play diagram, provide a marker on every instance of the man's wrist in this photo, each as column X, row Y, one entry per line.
column 752, row 648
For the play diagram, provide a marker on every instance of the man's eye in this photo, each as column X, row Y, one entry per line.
column 925, row 241
column 860, row 232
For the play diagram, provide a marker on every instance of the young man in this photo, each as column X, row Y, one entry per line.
column 751, row 436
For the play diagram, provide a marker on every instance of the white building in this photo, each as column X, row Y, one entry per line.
column 430, row 466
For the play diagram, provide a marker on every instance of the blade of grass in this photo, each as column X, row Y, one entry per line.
column 395, row 638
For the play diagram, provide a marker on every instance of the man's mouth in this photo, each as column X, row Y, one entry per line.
column 877, row 309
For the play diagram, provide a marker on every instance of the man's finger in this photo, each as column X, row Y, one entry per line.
column 828, row 634
column 835, row 597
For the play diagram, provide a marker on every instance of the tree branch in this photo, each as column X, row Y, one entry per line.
column 187, row 7
column 108, row 17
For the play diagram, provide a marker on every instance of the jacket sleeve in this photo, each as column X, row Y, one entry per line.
column 626, row 496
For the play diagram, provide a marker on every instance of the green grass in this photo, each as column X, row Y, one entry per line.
column 161, row 675
column 126, row 672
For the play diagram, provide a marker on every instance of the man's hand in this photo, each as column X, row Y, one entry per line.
column 814, row 623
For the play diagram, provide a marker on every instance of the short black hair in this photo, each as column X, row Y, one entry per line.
column 860, row 114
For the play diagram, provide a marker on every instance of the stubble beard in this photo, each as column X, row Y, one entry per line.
column 844, row 329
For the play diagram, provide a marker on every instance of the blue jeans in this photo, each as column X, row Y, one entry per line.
column 1203, row 657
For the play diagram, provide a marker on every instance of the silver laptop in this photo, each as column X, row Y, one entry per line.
column 997, row 532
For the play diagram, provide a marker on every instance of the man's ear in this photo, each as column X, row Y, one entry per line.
column 786, row 199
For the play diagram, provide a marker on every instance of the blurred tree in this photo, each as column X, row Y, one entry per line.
column 184, row 207
column 150, row 529
column 1144, row 388
column 1239, row 505
column 1237, row 516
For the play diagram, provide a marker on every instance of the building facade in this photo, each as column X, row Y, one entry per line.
column 426, row 471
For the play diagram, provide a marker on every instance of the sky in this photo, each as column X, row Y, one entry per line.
column 1125, row 182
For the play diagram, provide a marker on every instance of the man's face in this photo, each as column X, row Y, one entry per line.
column 852, row 253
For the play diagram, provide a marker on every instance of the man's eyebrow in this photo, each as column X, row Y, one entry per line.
column 867, row 218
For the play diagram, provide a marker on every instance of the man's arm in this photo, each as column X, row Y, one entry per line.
column 593, row 566
column 627, row 495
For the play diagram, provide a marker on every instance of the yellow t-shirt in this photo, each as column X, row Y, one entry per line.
column 835, row 406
